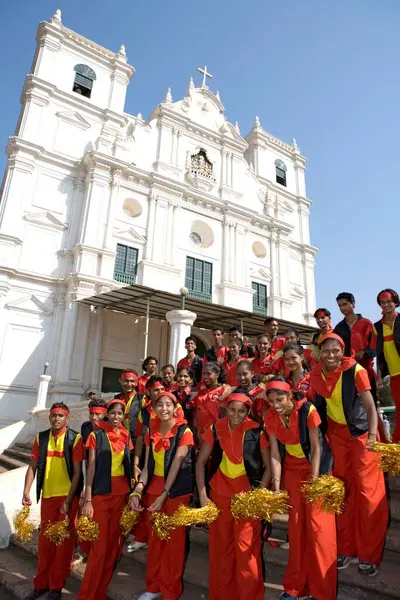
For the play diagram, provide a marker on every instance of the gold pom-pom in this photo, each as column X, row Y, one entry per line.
column 161, row 524
column 23, row 527
column 128, row 519
column 389, row 457
column 259, row 503
column 327, row 491
column 185, row 516
column 58, row 532
column 87, row 530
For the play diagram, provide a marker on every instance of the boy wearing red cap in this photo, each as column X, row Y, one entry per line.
column 56, row 460
column 346, row 407
column 108, row 483
column 240, row 461
column 386, row 341
column 167, row 482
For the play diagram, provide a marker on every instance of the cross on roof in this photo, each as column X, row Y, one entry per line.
column 205, row 75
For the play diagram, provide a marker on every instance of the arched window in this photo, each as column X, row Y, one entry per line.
column 83, row 83
column 280, row 172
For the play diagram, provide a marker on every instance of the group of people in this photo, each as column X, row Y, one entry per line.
column 273, row 415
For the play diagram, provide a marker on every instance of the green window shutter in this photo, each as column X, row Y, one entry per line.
column 260, row 298
column 198, row 279
column 125, row 268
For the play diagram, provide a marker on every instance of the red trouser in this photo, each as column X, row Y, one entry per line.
column 141, row 529
column 362, row 525
column 311, row 569
column 54, row 562
column 166, row 559
column 395, row 389
column 106, row 551
column 235, row 555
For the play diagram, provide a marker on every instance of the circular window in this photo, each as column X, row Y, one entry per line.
column 195, row 238
column 201, row 234
column 259, row 250
column 132, row 208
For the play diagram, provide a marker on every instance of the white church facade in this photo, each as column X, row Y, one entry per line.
column 94, row 199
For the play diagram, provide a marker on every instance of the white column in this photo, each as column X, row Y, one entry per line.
column 181, row 322
column 98, row 318
column 178, row 138
column 225, row 255
column 231, row 252
column 168, row 239
column 67, row 338
column 174, row 232
column 43, row 387
column 148, row 250
column 114, row 189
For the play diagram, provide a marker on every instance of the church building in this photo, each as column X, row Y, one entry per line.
column 95, row 199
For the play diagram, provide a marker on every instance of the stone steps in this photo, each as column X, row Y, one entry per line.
column 8, row 463
column 21, row 454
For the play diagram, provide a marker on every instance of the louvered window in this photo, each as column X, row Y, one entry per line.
column 198, row 279
column 260, row 303
column 125, row 267
column 83, row 82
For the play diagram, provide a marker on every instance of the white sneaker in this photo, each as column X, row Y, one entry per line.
column 134, row 546
column 149, row 596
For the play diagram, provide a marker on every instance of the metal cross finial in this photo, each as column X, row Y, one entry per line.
column 205, row 75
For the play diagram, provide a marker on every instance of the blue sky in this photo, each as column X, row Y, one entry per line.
column 326, row 73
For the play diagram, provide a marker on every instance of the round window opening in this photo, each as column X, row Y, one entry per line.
column 195, row 238
column 259, row 250
column 132, row 208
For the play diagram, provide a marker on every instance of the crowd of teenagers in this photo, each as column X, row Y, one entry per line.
column 272, row 415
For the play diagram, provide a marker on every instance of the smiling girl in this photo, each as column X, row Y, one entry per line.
column 208, row 401
column 235, row 346
column 298, row 372
column 108, row 482
column 240, row 460
column 345, row 403
column 167, row 481
column 311, row 568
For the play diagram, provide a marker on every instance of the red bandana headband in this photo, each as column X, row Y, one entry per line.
column 130, row 374
column 277, row 385
column 115, row 401
column 97, row 410
column 59, row 411
column 321, row 313
column 239, row 398
column 332, row 336
column 157, row 385
column 385, row 296
column 169, row 395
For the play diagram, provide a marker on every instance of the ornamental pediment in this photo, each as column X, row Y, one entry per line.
column 296, row 292
column 129, row 234
column 29, row 304
column 261, row 273
column 45, row 219
column 72, row 117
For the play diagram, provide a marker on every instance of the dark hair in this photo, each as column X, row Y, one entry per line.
column 169, row 366
column 395, row 296
column 266, row 335
column 298, row 348
column 294, row 330
column 60, row 405
column 237, row 341
column 147, row 360
column 235, row 328
column 113, row 403
column 325, row 310
column 346, row 296
column 152, row 380
column 218, row 329
column 269, row 320
column 91, row 394
column 330, row 339
column 100, row 402
column 243, row 363
column 188, row 369
column 213, row 366
column 190, row 339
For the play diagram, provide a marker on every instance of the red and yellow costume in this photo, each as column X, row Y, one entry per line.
column 141, row 384
column 207, row 406
column 230, row 371
column 234, row 545
column 311, row 568
column 166, row 558
column 362, row 524
column 303, row 385
column 107, row 505
column 54, row 562
column 262, row 365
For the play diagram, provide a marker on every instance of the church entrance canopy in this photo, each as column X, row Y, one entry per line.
column 144, row 301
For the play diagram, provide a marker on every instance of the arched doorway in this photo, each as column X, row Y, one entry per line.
column 201, row 347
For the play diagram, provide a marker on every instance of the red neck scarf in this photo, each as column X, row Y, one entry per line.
column 160, row 442
column 324, row 383
column 232, row 441
column 118, row 437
